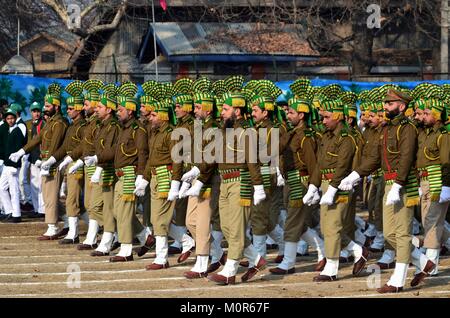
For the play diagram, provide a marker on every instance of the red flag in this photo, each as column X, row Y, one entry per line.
column 163, row 4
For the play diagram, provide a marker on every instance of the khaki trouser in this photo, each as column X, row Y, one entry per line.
column 433, row 217
column 73, row 199
column 180, row 211
column 50, row 193
column 233, row 219
column 332, row 218
column 198, row 218
column 95, row 202
column 397, row 226
column 296, row 221
column 128, row 224
column 161, row 210
column 109, row 222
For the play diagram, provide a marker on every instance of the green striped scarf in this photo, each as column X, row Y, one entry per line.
column 341, row 196
column 163, row 176
column 129, row 178
column 435, row 179
column 108, row 176
column 246, row 188
column 412, row 189
column 90, row 170
column 295, row 187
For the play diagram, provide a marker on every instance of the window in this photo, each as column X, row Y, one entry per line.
column 48, row 57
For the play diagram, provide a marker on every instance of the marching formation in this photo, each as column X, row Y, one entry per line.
column 118, row 153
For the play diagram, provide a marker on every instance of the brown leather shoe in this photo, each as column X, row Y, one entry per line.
column 222, row 280
column 63, row 232
column 280, row 271
column 154, row 266
column 86, row 247
column 194, row 275
column 386, row 289
column 324, row 278
column 174, row 250
column 279, row 259
column 386, row 266
column 57, row 236
column 244, row 263
column 184, row 256
column 251, row 272
column 215, row 266
column 70, row 241
column 98, row 253
column 149, row 243
column 359, row 265
column 117, row 258
column 47, row 238
column 321, row 265
column 418, row 278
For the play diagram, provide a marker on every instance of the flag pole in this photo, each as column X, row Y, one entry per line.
column 154, row 39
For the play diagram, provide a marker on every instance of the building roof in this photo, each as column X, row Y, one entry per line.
column 230, row 42
column 65, row 39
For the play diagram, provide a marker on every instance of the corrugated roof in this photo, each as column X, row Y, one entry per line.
column 231, row 42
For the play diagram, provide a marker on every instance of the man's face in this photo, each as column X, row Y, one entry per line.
column 49, row 109
column 393, row 108
column 227, row 112
column 154, row 120
column 102, row 111
column 11, row 120
column 35, row 114
column 374, row 120
column 87, row 108
column 258, row 114
column 144, row 111
column 199, row 112
column 179, row 112
column 293, row 117
column 123, row 114
column 428, row 118
column 328, row 120
column 418, row 115
column 72, row 112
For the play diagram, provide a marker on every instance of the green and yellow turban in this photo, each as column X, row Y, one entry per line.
column 53, row 95
column 76, row 99
column 92, row 87
column 109, row 96
column 126, row 95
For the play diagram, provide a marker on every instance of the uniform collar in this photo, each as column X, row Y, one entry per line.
column 263, row 124
column 397, row 119
column 337, row 130
column 163, row 126
column 128, row 123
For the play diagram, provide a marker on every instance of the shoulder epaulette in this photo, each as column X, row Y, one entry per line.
column 404, row 121
column 169, row 129
column 135, row 125
column 444, row 130
column 344, row 133
column 309, row 132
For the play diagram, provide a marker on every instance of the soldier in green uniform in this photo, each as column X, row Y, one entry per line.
column 298, row 149
column 335, row 159
column 238, row 173
column 50, row 139
column 396, row 156
column 71, row 141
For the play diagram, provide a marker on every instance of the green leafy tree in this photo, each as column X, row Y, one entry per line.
column 37, row 95
column 5, row 88
column 17, row 97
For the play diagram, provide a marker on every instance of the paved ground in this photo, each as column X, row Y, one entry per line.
column 30, row 268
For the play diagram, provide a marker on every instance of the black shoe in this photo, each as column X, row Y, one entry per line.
column 35, row 215
column 115, row 246
column 70, row 241
column 12, row 219
column 3, row 216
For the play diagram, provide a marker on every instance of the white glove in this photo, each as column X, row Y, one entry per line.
column 259, row 195
column 10, row 170
column 349, row 181
column 184, row 188
column 280, row 179
column 90, row 160
column 420, row 192
column 174, row 190
column 140, row 185
column 313, row 192
column 195, row 190
column 62, row 191
column 14, row 157
column 44, row 173
column 48, row 163
column 38, row 163
column 393, row 196
column 67, row 160
column 445, row 194
column 97, row 175
column 78, row 164
column 191, row 175
column 328, row 197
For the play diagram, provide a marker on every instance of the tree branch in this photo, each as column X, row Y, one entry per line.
column 115, row 22
column 58, row 8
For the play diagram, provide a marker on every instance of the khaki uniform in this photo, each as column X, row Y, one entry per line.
column 433, row 152
column 87, row 148
column 234, row 208
column 160, row 146
column 130, row 154
column 396, row 155
column 298, row 149
column 50, row 139
column 73, row 138
column 335, row 159
column 103, row 205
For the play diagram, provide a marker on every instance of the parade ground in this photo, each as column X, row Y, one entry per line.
column 30, row 268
